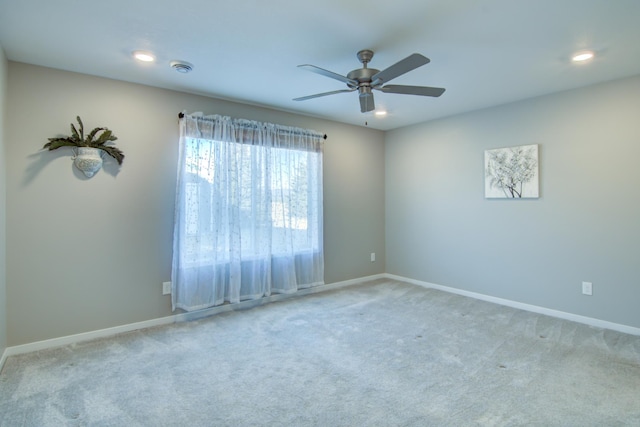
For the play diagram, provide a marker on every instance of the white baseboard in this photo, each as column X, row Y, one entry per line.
column 522, row 306
column 181, row 317
column 86, row 336
column 199, row 314
column 3, row 358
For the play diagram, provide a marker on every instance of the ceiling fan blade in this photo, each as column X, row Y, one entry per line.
column 409, row 63
column 366, row 102
column 412, row 90
column 328, row 73
column 318, row 95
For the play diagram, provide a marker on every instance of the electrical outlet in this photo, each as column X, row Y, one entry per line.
column 587, row 288
column 166, row 288
column 373, row 257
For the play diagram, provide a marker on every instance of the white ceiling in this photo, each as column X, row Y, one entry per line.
column 484, row 52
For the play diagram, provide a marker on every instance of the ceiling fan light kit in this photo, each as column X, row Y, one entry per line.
column 366, row 79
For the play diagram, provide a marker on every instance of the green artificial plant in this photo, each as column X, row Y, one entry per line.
column 77, row 139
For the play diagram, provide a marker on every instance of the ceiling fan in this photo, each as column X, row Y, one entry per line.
column 365, row 79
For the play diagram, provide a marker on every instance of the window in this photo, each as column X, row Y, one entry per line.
column 248, row 210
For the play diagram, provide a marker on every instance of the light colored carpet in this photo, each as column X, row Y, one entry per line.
column 384, row 353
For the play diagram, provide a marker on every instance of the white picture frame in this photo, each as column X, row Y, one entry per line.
column 511, row 172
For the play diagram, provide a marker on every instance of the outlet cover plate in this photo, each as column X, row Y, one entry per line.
column 166, row 288
column 587, row 288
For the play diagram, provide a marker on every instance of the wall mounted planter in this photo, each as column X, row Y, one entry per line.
column 89, row 149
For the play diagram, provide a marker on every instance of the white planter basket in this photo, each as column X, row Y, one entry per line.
column 88, row 160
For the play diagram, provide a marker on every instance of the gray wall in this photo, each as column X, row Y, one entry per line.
column 584, row 227
column 3, row 206
column 85, row 254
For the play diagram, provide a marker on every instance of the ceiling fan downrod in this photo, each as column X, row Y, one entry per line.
column 363, row 75
column 365, row 56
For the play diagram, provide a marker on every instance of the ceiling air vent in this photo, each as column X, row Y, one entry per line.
column 181, row 66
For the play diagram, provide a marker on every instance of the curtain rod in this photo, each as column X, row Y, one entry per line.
column 181, row 115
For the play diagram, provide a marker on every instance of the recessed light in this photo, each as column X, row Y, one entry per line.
column 143, row 56
column 583, row 55
column 381, row 113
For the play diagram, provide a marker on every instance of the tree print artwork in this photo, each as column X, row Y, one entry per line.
column 511, row 172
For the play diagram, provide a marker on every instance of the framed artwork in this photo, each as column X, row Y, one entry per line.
column 511, row 173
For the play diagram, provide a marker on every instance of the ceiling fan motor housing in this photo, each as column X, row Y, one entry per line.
column 362, row 76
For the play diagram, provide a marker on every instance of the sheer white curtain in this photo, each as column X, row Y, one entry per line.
column 248, row 217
